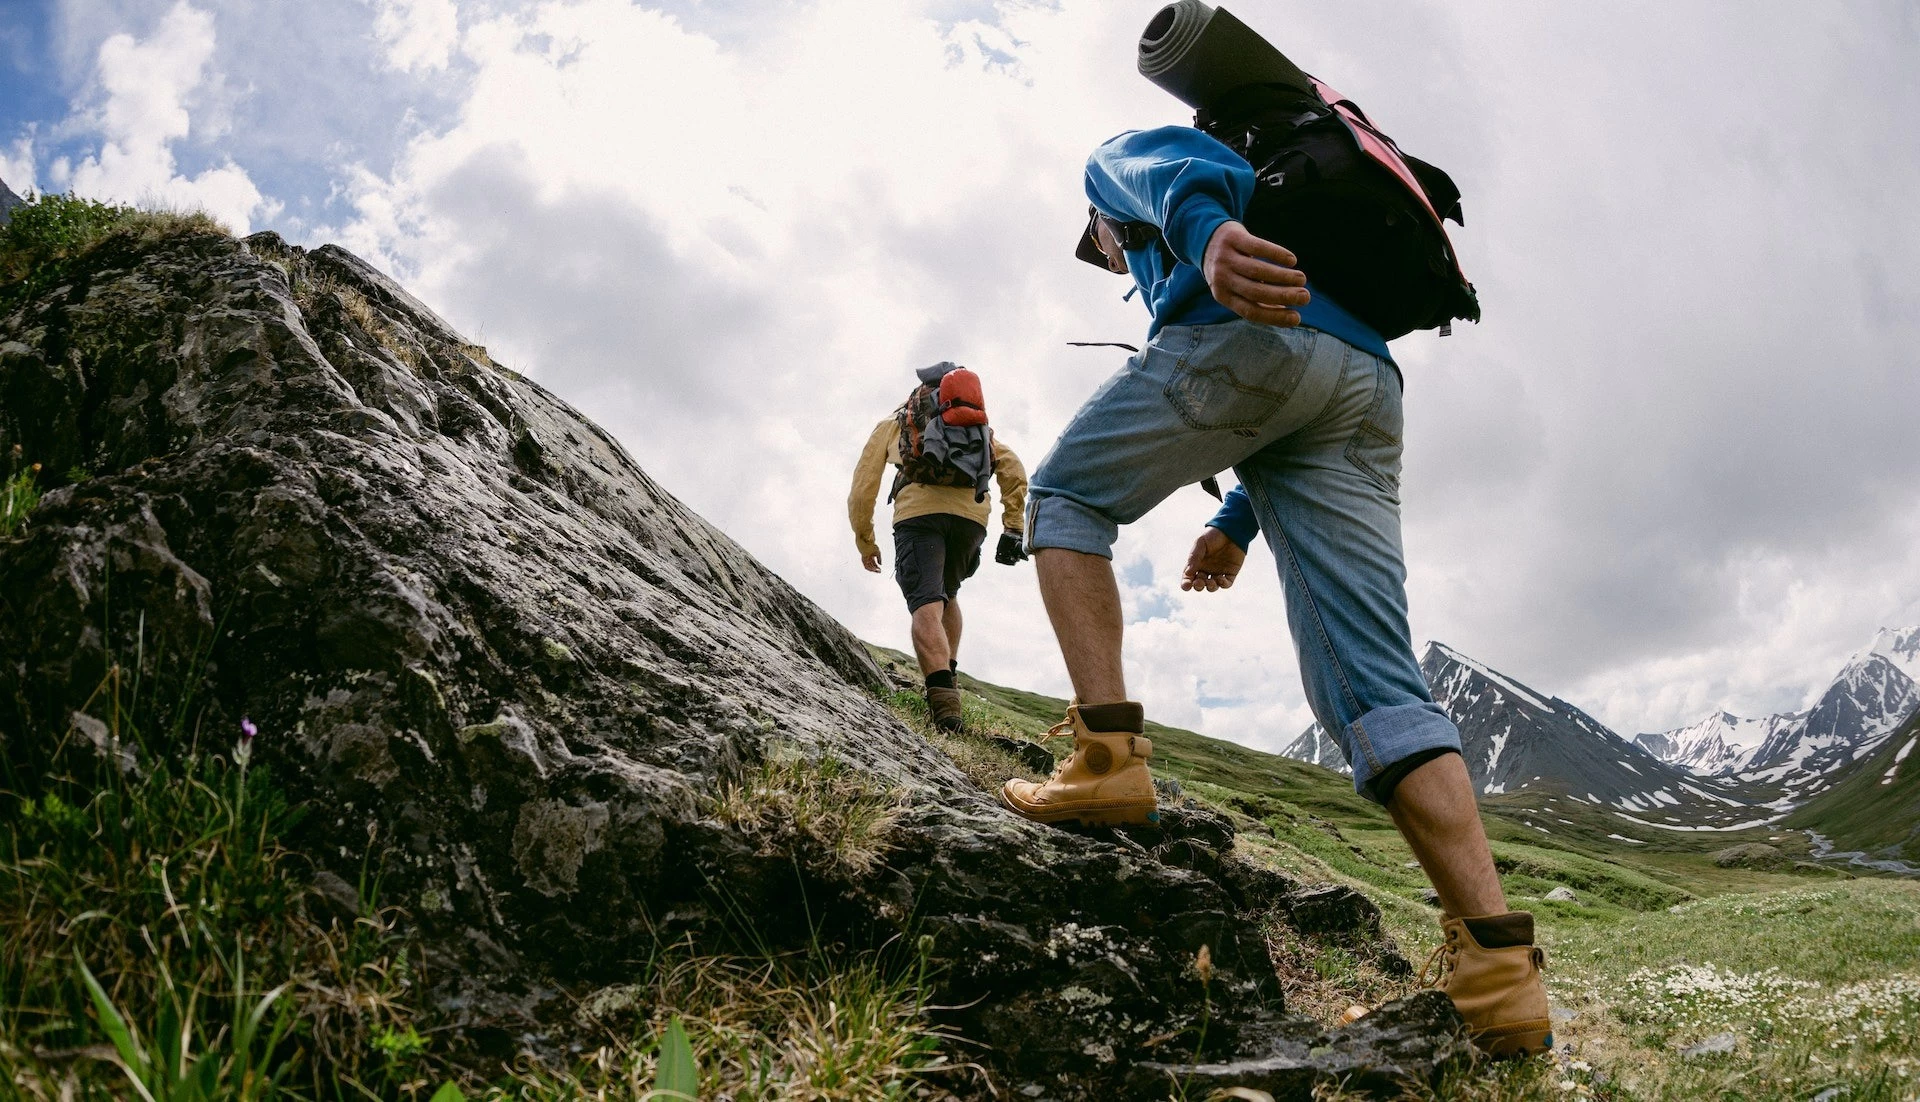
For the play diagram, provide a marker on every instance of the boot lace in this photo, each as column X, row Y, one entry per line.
column 1064, row 728
column 1441, row 962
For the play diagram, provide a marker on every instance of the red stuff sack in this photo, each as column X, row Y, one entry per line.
column 961, row 402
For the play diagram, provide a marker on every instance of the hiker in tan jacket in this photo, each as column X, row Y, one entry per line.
column 938, row 529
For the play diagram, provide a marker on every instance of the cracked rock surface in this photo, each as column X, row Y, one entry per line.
column 485, row 643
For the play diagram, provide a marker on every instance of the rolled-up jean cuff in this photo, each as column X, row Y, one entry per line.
column 1386, row 735
column 1062, row 522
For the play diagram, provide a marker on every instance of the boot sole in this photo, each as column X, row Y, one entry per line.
column 1103, row 813
column 1516, row 1041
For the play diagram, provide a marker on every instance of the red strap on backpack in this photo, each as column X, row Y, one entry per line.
column 961, row 401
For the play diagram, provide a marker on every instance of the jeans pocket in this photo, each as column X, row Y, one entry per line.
column 1238, row 383
column 1376, row 444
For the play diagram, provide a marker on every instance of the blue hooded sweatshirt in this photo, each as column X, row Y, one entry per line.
column 1187, row 183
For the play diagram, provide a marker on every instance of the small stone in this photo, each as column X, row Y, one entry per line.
column 1717, row 1045
column 1562, row 894
column 1352, row 1014
column 335, row 895
column 1561, row 1014
column 1332, row 909
column 1430, row 897
column 1411, row 865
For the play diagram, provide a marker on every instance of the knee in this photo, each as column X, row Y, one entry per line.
column 1061, row 522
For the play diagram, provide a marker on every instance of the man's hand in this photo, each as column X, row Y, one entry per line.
column 1215, row 562
column 871, row 560
column 1253, row 277
column 1012, row 549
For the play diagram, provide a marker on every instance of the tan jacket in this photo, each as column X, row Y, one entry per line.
column 916, row 500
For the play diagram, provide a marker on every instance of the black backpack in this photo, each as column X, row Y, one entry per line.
column 1364, row 218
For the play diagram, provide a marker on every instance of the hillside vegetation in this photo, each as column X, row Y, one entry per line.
column 1877, row 809
column 1673, row 978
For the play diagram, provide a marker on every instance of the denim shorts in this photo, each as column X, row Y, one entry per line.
column 1312, row 426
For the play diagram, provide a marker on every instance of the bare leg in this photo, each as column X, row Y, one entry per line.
column 1436, row 812
column 950, row 619
column 930, row 638
column 1083, row 602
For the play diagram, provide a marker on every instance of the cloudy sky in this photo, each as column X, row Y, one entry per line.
column 1676, row 469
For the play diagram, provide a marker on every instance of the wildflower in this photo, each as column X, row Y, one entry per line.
column 1203, row 964
column 243, row 750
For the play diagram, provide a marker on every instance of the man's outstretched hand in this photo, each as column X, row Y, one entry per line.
column 871, row 561
column 1012, row 549
column 1214, row 564
column 1253, row 277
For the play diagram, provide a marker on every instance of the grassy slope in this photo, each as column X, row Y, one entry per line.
column 1815, row 974
column 1878, row 808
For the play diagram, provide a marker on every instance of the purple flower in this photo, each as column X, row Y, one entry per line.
column 247, row 730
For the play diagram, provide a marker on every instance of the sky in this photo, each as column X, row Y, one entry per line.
column 1676, row 469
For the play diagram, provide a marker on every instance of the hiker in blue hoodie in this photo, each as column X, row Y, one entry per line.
column 1248, row 365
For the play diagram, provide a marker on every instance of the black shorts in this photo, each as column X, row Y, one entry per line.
column 933, row 554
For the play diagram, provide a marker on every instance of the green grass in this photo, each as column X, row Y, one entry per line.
column 159, row 934
column 822, row 1024
column 833, row 817
column 19, row 493
column 47, row 230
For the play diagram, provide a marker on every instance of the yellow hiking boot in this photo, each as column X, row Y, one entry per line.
column 1104, row 780
column 1490, row 968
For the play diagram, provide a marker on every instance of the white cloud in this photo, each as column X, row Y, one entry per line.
column 17, row 166
column 417, row 34
column 1667, row 474
column 146, row 87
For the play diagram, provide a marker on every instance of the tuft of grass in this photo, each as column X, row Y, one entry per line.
column 1324, row 976
column 834, row 818
column 806, row 1026
column 160, row 938
column 986, row 763
column 49, row 229
column 18, row 494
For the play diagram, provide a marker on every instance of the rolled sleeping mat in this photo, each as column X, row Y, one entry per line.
column 1200, row 52
column 933, row 373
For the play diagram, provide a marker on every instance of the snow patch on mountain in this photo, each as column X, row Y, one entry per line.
column 1721, row 743
column 1900, row 646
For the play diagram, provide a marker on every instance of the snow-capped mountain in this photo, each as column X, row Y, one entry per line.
column 1515, row 738
column 1870, row 698
column 1900, row 646
column 1314, row 746
column 1802, row 753
column 1720, row 743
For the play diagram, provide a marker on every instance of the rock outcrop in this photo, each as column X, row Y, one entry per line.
column 493, row 650
column 8, row 201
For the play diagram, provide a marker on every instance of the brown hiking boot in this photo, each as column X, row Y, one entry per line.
column 1104, row 780
column 1490, row 968
column 945, row 708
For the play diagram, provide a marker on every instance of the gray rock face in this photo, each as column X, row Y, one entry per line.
column 479, row 637
column 8, row 201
